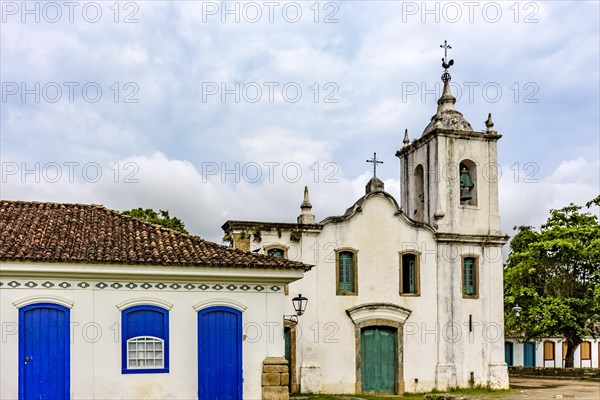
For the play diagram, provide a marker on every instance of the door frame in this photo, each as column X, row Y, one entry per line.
column 399, row 384
column 379, row 314
column 292, row 367
column 240, row 389
column 66, row 338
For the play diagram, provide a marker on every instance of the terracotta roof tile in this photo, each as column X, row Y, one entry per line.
column 92, row 234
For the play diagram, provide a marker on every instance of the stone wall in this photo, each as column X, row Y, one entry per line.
column 275, row 379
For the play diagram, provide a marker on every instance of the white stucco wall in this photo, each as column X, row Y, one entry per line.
column 96, row 330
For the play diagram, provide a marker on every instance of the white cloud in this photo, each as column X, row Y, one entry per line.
column 527, row 198
column 369, row 53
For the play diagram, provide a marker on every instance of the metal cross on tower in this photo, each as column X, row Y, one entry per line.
column 445, row 63
column 375, row 161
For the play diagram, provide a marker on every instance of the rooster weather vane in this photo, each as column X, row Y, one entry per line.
column 446, row 64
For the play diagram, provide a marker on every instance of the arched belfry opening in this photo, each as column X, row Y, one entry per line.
column 419, row 193
column 467, row 183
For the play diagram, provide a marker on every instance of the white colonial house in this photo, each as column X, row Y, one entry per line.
column 551, row 353
column 403, row 297
column 98, row 305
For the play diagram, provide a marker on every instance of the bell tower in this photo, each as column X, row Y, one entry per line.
column 449, row 176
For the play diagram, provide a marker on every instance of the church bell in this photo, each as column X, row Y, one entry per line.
column 465, row 194
column 466, row 184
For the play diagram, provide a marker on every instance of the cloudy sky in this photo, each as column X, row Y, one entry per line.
column 225, row 110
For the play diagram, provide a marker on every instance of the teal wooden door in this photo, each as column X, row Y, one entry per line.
column 287, row 333
column 378, row 359
column 508, row 353
column 529, row 354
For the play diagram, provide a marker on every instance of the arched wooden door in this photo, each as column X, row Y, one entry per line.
column 378, row 359
column 219, row 354
column 44, row 352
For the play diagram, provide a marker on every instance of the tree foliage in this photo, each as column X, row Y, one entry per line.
column 160, row 218
column 553, row 274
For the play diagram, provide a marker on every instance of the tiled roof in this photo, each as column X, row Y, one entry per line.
column 93, row 234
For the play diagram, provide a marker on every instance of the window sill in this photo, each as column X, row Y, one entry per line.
column 146, row 371
column 410, row 294
column 347, row 294
column 470, row 296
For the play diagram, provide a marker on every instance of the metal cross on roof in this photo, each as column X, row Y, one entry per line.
column 445, row 46
column 375, row 161
column 445, row 63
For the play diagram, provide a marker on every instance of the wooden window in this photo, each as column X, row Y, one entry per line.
column 564, row 350
column 276, row 252
column 585, row 349
column 145, row 352
column 145, row 340
column 548, row 350
column 409, row 274
column 346, row 273
column 470, row 277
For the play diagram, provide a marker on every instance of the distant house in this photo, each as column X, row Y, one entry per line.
column 95, row 304
column 551, row 352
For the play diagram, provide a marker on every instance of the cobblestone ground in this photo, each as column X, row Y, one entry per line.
column 548, row 389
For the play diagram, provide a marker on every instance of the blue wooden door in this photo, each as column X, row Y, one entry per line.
column 44, row 360
column 529, row 354
column 219, row 354
column 378, row 359
column 508, row 353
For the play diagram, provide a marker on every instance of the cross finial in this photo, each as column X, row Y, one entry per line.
column 445, row 46
column 445, row 63
column 375, row 161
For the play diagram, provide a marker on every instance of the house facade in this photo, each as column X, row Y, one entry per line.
column 403, row 297
column 551, row 353
column 95, row 304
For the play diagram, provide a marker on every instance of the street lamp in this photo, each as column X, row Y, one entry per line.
column 299, row 303
column 517, row 310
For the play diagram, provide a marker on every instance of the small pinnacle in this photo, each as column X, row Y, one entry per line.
column 306, row 217
column 306, row 202
column 406, row 141
column 489, row 123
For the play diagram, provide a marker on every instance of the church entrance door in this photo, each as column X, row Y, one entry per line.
column 378, row 359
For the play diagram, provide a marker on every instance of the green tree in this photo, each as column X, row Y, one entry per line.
column 553, row 274
column 160, row 218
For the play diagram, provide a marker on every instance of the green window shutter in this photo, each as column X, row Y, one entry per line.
column 346, row 272
column 412, row 276
column 409, row 274
column 469, row 276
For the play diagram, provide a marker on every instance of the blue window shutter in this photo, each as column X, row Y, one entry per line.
column 144, row 320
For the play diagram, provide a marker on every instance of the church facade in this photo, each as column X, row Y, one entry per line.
column 403, row 297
